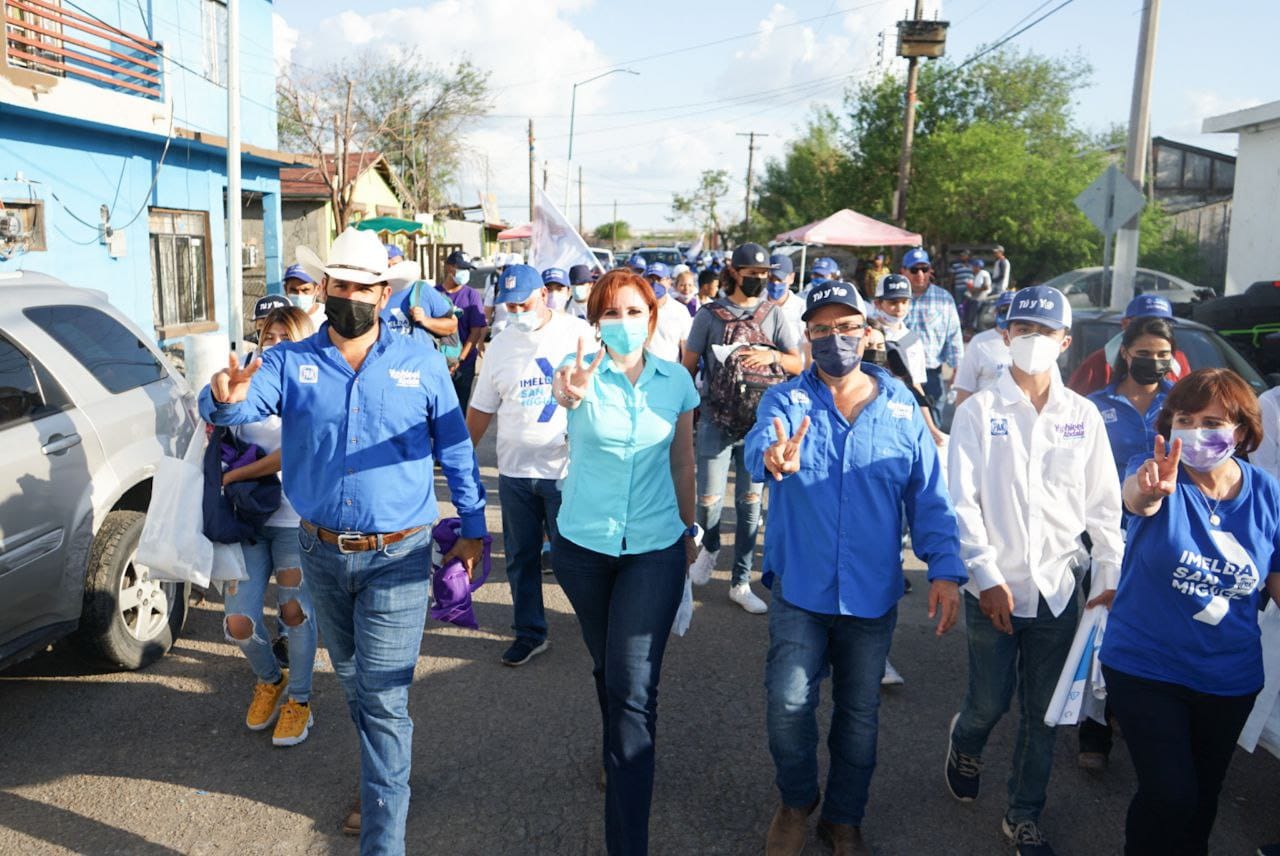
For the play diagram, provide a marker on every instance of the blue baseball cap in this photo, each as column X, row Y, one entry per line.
column 1041, row 304
column 658, row 269
column 979, row 263
column 834, row 292
column 1149, row 306
column 826, row 266
column 393, row 252
column 581, row 275
column 915, row 256
column 893, row 287
column 637, row 262
column 263, row 307
column 555, row 275
column 461, row 261
column 297, row 272
column 781, row 265
column 751, row 255
column 1005, row 300
column 517, row 283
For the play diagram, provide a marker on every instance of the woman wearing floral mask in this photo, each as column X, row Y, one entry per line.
column 1182, row 656
column 626, row 530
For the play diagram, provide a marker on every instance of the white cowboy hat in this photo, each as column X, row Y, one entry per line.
column 356, row 256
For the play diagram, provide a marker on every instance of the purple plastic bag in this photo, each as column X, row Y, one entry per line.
column 450, row 588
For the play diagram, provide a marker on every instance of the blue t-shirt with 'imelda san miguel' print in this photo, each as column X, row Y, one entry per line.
column 1186, row 611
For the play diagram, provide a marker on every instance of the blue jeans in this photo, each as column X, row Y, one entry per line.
column 625, row 607
column 371, row 607
column 1030, row 660
column 529, row 508
column 714, row 452
column 804, row 647
column 275, row 550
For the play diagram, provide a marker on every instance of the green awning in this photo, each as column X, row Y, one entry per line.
column 394, row 225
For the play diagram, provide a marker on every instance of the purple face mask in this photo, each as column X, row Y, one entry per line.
column 1204, row 449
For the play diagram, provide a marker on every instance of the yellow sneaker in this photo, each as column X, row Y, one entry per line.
column 294, row 723
column 266, row 703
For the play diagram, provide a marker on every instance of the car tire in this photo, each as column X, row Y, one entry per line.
column 128, row 621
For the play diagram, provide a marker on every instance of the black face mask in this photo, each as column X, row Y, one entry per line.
column 1147, row 370
column 752, row 286
column 350, row 318
column 875, row 357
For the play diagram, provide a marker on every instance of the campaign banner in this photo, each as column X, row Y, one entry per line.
column 556, row 244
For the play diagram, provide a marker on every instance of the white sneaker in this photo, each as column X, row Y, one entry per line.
column 891, row 676
column 742, row 595
column 700, row 570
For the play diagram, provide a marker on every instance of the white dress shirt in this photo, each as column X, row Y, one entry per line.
column 984, row 361
column 1025, row 485
column 673, row 328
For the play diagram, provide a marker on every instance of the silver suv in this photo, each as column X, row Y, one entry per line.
column 88, row 406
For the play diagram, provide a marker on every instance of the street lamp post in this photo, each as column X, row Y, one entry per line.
column 573, row 109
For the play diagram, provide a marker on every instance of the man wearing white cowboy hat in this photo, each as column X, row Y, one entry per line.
column 364, row 413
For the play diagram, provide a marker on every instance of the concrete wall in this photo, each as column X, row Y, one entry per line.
column 1254, row 253
column 1210, row 226
column 304, row 223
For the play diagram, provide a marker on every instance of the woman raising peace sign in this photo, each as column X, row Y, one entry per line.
column 626, row 530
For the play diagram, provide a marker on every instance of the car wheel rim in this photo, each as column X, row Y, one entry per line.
column 142, row 602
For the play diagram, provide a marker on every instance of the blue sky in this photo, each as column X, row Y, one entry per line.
column 639, row 138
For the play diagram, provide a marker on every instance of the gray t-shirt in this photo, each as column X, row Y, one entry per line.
column 708, row 330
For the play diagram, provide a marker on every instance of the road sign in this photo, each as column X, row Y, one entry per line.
column 1111, row 201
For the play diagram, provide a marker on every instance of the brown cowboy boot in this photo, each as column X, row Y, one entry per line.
column 351, row 825
column 788, row 830
column 844, row 840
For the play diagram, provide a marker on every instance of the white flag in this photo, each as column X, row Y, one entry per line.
column 555, row 243
column 695, row 250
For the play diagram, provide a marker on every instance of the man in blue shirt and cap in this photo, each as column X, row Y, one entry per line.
column 824, row 269
column 844, row 450
column 365, row 413
column 934, row 317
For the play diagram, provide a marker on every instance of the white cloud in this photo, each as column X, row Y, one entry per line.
column 283, row 39
column 1196, row 105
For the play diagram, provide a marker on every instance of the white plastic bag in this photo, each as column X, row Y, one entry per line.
column 1263, row 726
column 684, row 615
column 173, row 545
column 1080, row 692
column 228, row 565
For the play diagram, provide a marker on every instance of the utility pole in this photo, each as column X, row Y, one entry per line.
column 751, row 157
column 908, row 133
column 544, row 176
column 531, row 171
column 235, row 275
column 615, row 225
column 579, row 199
column 1135, row 158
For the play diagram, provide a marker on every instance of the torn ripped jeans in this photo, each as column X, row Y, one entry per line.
column 274, row 549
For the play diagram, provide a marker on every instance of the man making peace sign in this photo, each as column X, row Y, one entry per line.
column 844, row 449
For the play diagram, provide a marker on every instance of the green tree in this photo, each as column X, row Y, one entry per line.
column 607, row 232
column 699, row 207
column 808, row 183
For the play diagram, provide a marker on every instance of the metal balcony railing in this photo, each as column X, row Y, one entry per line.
column 42, row 36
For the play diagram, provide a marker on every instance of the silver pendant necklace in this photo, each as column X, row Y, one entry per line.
column 1213, row 511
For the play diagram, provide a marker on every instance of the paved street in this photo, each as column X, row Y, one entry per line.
column 506, row 760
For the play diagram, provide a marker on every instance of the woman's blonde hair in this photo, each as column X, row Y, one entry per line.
column 295, row 321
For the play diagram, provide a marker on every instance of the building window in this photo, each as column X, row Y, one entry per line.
column 31, row 215
column 181, row 279
column 215, row 41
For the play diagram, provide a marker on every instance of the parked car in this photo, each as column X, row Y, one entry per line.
column 669, row 256
column 1092, row 329
column 1084, row 287
column 604, row 256
column 88, row 407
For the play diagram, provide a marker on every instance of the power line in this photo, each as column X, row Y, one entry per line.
column 1006, row 39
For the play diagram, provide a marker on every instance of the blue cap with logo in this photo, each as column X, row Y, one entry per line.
column 893, row 287
column 517, row 282
column 834, row 292
column 1149, row 306
column 782, row 265
column 297, row 272
column 914, row 257
column 1005, row 300
column 555, row 275
column 460, row 260
column 581, row 275
column 393, row 252
column 657, row 269
column 826, row 266
column 263, row 307
column 750, row 255
column 637, row 263
column 1041, row 304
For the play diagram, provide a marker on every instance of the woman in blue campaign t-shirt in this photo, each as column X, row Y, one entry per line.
column 1182, row 655
column 1131, row 402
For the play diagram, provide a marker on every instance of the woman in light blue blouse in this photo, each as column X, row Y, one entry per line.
column 625, row 531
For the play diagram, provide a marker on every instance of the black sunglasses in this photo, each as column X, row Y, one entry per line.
column 925, row 269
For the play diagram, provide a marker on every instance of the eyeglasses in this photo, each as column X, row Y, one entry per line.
column 849, row 328
column 924, row 269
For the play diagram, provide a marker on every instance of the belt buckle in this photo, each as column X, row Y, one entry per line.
column 343, row 537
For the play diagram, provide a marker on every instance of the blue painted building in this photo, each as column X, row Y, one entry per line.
column 113, row 153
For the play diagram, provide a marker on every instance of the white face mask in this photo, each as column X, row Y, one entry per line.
column 302, row 301
column 555, row 299
column 526, row 321
column 1033, row 353
column 581, row 293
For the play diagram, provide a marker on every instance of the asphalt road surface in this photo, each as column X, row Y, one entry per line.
column 506, row 760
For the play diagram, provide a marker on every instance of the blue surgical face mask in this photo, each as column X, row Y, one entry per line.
column 302, row 301
column 526, row 321
column 462, row 277
column 777, row 289
column 581, row 293
column 624, row 336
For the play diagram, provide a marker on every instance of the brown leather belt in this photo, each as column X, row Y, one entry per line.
column 358, row 542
